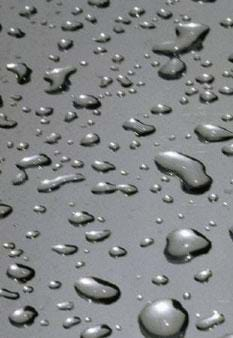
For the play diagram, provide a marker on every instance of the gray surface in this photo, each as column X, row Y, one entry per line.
column 130, row 218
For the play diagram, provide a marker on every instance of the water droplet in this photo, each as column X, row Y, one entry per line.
column 58, row 78
column 97, row 290
column 23, row 316
column 49, row 185
column 163, row 318
column 20, row 272
column 212, row 133
column 185, row 244
column 98, row 331
column 191, row 171
column 209, row 322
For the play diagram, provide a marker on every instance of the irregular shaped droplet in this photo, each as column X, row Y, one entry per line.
column 21, row 273
column 86, row 101
column 97, row 235
column 58, row 78
column 97, row 290
column 7, row 123
column 49, row 185
column 212, row 133
column 185, row 244
column 189, row 170
column 188, row 36
column 8, row 294
column 65, row 249
column 34, row 161
column 21, row 70
column 98, row 331
column 103, row 166
column 23, row 316
column 81, row 218
column 173, row 69
column 5, row 210
column 207, row 323
column 140, row 128
column 90, row 140
column 163, row 318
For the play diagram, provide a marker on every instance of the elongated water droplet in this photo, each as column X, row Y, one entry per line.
column 97, row 235
column 65, row 249
column 207, row 323
column 191, row 171
column 98, row 331
column 212, row 133
column 140, row 128
column 97, row 290
column 49, row 185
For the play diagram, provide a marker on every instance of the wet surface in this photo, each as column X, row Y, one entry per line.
column 116, row 168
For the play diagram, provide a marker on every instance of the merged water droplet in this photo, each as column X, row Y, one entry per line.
column 190, row 170
column 20, row 272
column 21, row 70
column 23, row 316
column 58, row 78
column 185, row 244
column 207, row 323
column 49, row 185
